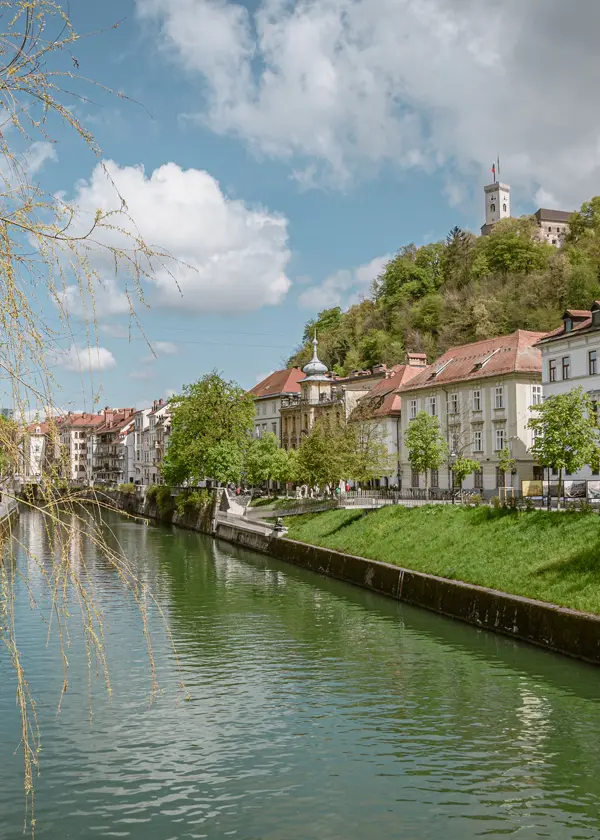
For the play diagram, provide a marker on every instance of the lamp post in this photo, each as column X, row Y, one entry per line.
column 452, row 464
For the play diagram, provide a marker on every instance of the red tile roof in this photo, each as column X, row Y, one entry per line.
column 279, row 382
column 81, row 420
column 120, row 418
column 582, row 319
column 515, row 353
column 387, row 391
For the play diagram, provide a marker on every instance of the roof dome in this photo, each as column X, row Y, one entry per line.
column 315, row 369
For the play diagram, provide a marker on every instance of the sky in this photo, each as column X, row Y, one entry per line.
column 281, row 151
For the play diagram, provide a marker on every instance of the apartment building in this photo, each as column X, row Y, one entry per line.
column 155, row 441
column 482, row 394
column 113, row 463
column 268, row 396
column 40, row 448
column 382, row 405
column 571, row 359
column 141, row 424
column 77, row 444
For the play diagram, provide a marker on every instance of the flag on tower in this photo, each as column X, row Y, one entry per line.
column 494, row 171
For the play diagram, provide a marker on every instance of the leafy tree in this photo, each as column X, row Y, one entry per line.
column 565, row 433
column 210, row 425
column 427, row 449
column 265, row 460
column 369, row 455
column 464, row 467
column 506, row 462
column 326, row 454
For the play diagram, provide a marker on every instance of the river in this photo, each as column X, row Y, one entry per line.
column 316, row 711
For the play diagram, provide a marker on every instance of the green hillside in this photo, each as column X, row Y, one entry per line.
column 464, row 289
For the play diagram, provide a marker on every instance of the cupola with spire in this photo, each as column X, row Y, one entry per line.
column 315, row 370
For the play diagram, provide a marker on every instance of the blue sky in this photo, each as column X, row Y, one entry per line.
column 290, row 146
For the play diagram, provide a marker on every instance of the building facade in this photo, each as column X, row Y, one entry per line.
column 111, row 459
column 553, row 225
column 482, row 394
column 268, row 396
column 77, row 441
column 322, row 392
column 41, row 449
column 571, row 359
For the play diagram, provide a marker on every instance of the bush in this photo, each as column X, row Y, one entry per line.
column 495, row 502
column 152, row 491
column 128, row 489
column 476, row 499
column 189, row 501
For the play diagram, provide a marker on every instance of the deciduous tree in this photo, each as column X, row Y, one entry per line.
column 565, row 433
column 427, row 449
column 211, row 422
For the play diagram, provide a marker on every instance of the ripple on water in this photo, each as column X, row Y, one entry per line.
column 316, row 711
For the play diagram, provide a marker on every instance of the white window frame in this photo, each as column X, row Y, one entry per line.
column 478, row 441
column 499, row 397
column 499, row 434
column 536, row 395
column 476, row 400
column 453, row 403
column 412, row 409
column 433, row 406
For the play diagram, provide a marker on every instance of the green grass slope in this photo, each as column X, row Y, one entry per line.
column 552, row 557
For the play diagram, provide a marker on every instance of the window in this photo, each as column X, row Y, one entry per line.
column 566, row 367
column 433, row 406
column 455, row 442
column 500, row 478
column 499, row 397
column 552, row 370
column 493, row 208
column 274, row 428
column 476, row 400
column 453, row 403
column 435, row 478
column 478, row 441
column 593, row 362
column 414, row 478
column 500, row 438
column 412, row 409
column 478, row 476
column 536, row 395
column 504, row 207
column 554, row 241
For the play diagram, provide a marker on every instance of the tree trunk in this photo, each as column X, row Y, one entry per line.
column 559, row 489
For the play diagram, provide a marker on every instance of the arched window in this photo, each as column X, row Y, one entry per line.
column 504, row 207
column 493, row 208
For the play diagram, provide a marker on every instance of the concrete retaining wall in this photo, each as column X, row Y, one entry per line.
column 556, row 628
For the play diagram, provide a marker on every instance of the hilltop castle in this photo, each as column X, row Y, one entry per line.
column 552, row 223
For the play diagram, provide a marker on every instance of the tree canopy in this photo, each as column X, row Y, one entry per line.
column 463, row 289
column 210, row 422
column 427, row 449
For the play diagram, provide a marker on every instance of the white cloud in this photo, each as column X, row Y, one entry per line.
column 340, row 87
column 227, row 257
column 343, row 287
column 145, row 373
column 160, row 348
column 82, row 358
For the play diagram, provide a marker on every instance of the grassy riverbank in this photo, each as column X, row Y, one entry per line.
column 552, row 557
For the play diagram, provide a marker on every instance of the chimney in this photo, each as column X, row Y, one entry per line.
column 417, row 359
column 379, row 368
column 108, row 415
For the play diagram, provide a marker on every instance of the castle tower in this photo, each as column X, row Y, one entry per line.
column 497, row 202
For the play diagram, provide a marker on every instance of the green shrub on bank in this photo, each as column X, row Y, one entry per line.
column 162, row 496
column 128, row 489
column 192, row 501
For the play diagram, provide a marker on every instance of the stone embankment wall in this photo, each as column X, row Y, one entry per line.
column 197, row 519
column 546, row 625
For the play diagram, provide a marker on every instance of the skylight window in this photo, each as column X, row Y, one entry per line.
column 479, row 365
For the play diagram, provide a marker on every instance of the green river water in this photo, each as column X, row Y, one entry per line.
column 316, row 711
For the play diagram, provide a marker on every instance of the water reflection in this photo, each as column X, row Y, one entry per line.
column 317, row 711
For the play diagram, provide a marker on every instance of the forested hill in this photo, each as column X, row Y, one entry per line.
column 464, row 289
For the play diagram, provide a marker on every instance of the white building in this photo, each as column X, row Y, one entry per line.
column 77, row 441
column 571, row 359
column 141, row 424
column 497, row 205
column 40, row 449
column 155, row 432
column 268, row 396
column 482, row 394
column 553, row 225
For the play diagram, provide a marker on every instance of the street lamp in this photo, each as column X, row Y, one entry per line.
column 452, row 465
